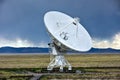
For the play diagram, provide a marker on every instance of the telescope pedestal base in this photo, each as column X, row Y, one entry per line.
column 59, row 61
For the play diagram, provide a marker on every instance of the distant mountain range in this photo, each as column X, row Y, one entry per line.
column 23, row 50
column 46, row 50
column 107, row 50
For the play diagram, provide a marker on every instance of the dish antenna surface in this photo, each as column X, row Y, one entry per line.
column 66, row 34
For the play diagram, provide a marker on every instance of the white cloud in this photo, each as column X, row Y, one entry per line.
column 43, row 44
column 20, row 43
column 100, row 44
column 114, row 42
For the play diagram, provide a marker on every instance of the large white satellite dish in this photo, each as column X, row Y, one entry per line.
column 66, row 33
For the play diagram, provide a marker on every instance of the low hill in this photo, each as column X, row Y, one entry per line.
column 46, row 50
column 23, row 50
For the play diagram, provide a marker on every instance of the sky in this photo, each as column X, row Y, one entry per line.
column 22, row 24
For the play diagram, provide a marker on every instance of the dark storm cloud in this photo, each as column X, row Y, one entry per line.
column 118, row 3
column 24, row 18
column 21, row 19
column 2, row 1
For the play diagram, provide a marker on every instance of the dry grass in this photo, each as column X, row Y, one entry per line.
column 81, row 60
column 97, row 76
column 23, row 61
column 95, row 60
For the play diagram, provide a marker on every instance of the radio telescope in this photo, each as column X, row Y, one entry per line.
column 66, row 34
